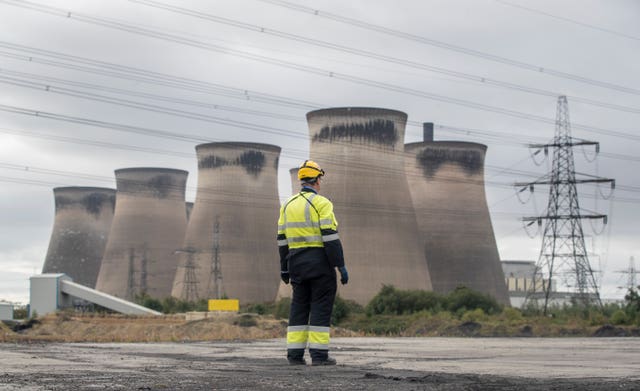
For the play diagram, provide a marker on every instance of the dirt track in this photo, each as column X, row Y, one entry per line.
column 364, row 364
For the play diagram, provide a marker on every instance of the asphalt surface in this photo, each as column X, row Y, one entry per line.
column 363, row 364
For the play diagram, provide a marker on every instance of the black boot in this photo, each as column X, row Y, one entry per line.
column 297, row 361
column 327, row 361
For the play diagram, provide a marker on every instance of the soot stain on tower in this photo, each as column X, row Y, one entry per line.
column 379, row 131
column 430, row 159
column 252, row 161
column 93, row 203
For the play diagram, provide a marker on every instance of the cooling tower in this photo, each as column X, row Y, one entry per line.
column 230, row 248
column 80, row 231
column 362, row 152
column 148, row 228
column 446, row 179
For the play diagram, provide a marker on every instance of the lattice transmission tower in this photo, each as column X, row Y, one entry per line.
column 190, row 279
column 563, row 254
column 631, row 272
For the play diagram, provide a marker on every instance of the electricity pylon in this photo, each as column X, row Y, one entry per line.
column 190, row 280
column 631, row 273
column 563, row 253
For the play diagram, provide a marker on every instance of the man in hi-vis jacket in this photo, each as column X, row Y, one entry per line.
column 310, row 252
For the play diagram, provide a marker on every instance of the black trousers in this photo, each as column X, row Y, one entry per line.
column 312, row 304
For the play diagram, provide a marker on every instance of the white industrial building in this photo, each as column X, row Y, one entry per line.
column 6, row 311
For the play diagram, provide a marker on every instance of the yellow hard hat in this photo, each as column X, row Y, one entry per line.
column 309, row 170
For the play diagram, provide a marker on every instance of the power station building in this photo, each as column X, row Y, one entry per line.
column 362, row 151
column 230, row 249
column 446, row 179
column 83, row 217
column 148, row 228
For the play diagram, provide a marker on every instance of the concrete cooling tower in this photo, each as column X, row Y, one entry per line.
column 148, row 228
column 362, row 153
column 446, row 179
column 80, row 231
column 230, row 248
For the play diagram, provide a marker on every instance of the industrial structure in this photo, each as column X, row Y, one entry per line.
column 362, row 152
column 230, row 249
column 518, row 276
column 54, row 291
column 83, row 217
column 6, row 311
column 148, row 227
column 446, row 179
column 564, row 254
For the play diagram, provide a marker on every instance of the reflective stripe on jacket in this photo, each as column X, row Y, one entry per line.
column 303, row 218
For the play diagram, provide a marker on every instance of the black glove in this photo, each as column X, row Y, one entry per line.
column 284, row 276
column 344, row 275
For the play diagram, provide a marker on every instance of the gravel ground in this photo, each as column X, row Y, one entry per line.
column 364, row 364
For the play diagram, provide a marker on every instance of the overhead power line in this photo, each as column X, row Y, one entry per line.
column 382, row 169
column 451, row 47
column 243, row 124
column 150, row 77
column 565, row 19
column 146, row 76
column 300, row 67
column 377, row 56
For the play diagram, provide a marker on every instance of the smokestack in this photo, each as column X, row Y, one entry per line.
column 362, row 152
column 427, row 129
column 446, row 179
column 230, row 246
column 80, row 231
column 148, row 227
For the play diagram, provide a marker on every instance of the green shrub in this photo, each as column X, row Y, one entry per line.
column 343, row 308
column 464, row 299
column 282, row 308
column 380, row 324
column 619, row 317
column 171, row 305
column 259, row 309
column 20, row 312
column 392, row 301
column 511, row 314
column 147, row 301
column 476, row 315
column 597, row 317
column 246, row 320
column 632, row 303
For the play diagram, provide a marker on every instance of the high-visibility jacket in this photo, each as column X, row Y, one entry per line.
column 310, row 249
column 307, row 221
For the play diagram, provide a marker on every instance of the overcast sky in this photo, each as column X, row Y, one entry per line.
column 485, row 71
